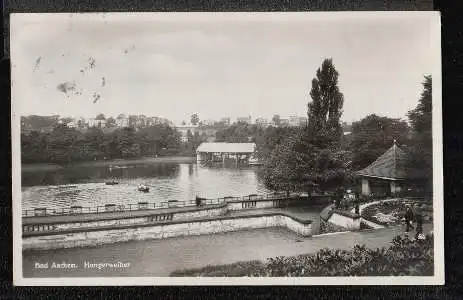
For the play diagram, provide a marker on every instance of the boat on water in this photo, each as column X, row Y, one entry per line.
column 143, row 188
column 112, row 182
column 253, row 161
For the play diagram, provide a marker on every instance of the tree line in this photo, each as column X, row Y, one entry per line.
column 320, row 157
column 65, row 145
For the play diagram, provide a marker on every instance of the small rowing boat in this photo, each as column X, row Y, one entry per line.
column 143, row 188
column 111, row 182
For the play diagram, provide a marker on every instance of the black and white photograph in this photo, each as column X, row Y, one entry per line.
column 227, row 148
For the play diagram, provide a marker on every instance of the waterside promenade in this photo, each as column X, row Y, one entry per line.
column 94, row 229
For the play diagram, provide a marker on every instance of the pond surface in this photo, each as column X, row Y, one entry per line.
column 85, row 185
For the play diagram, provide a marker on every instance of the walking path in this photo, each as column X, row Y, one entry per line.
column 162, row 257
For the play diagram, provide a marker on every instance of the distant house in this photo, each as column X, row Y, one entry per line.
column 81, row 123
column 96, row 123
column 303, row 121
column 225, row 121
column 208, row 122
column 262, row 122
column 150, row 122
column 72, row 124
column 207, row 132
column 246, row 120
column 296, row 121
column 122, row 122
column 284, row 122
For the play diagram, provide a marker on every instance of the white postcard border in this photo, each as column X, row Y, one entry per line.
column 439, row 266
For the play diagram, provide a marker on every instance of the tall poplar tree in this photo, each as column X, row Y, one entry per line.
column 325, row 109
column 312, row 159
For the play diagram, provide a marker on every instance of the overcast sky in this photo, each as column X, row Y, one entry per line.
column 172, row 67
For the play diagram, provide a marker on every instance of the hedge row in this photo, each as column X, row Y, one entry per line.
column 404, row 257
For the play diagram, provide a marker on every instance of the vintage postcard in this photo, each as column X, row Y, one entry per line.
column 227, row 148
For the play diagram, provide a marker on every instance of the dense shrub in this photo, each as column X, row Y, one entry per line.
column 403, row 258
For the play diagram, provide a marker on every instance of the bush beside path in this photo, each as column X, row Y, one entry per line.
column 404, row 257
column 409, row 257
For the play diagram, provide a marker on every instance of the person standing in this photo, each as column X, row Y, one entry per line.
column 409, row 217
column 338, row 197
column 356, row 204
column 419, row 221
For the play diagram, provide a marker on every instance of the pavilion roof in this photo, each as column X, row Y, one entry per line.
column 390, row 165
column 227, row 147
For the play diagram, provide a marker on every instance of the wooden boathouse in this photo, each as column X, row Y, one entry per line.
column 219, row 152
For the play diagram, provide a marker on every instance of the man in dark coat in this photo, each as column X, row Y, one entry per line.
column 419, row 220
column 409, row 217
column 338, row 197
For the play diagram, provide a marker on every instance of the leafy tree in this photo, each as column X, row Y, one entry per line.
column 38, row 123
column 194, row 119
column 325, row 109
column 64, row 145
column 110, row 122
column 299, row 166
column 276, row 120
column 100, row 117
column 33, row 147
column 236, row 133
column 372, row 136
column 189, row 135
column 420, row 152
column 66, row 120
column 133, row 120
column 312, row 158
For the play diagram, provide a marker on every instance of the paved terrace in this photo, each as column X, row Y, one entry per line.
column 162, row 257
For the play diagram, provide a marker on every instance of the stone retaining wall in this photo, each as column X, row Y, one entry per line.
column 124, row 232
column 333, row 220
column 143, row 217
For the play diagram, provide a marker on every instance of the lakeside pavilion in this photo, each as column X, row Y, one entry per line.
column 387, row 175
column 211, row 152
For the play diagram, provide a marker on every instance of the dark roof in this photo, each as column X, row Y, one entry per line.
column 390, row 165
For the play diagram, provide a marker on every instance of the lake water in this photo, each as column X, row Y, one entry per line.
column 85, row 185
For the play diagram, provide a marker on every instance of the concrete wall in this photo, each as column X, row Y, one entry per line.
column 159, row 231
column 101, row 229
column 154, row 216
column 201, row 213
column 333, row 220
column 257, row 204
column 346, row 222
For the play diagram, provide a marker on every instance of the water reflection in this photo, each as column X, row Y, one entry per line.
column 94, row 174
column 85, row 186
